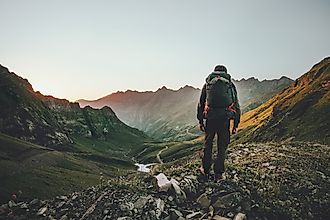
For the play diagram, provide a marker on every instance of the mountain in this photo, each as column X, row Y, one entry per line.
column 300, row 111
column 24, row 115
column 161, row 114
column 50, row 146
column 278, row 179
column 171, row 114
column 253, row 92
column 52, row 122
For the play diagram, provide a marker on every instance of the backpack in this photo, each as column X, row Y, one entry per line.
column 221, row 94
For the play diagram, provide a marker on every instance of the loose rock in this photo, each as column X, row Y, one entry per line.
column 42, row 211
column 203, row 200
column 240, row 216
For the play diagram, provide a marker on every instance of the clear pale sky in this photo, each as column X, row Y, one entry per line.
column 87, row 49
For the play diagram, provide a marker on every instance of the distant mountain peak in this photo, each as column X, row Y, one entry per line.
column 163, row 88
column 248, row 79
column 188, row 87
column 285, row 78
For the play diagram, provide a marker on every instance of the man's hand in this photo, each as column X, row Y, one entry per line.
column 234, row 131
column 201, row 127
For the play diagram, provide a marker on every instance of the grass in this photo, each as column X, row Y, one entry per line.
column 44, row 173
column 299, row 111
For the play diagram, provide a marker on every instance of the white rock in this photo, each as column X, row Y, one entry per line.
column 160, row 204
column 163, row 183
column 194, row 215
column 42, row 211
column 240, row 216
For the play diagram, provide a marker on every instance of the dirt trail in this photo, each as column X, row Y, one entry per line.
column 159, row 153
column 159, row 159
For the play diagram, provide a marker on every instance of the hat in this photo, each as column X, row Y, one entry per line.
column 220, row 68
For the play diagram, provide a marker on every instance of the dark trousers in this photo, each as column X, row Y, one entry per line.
column 221, row 128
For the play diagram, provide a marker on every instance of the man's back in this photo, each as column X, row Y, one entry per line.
column 217, row 105
column 219, row 98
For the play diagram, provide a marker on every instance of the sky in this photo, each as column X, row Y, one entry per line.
column 88, row 49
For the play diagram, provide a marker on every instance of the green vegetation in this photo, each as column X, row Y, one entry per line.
column 50, row 146
column 301, row 111
column 44, row 173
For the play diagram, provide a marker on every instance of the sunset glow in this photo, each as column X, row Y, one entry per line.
column 88, row 49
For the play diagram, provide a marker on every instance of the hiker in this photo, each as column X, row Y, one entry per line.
column 218, row 104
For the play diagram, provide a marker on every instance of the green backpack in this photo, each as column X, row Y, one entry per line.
column 221, row 94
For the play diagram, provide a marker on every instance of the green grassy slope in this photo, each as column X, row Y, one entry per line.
column 301, row 111
column 52, row 122
column 24, row 115
column 43, row 172
column 49, row 146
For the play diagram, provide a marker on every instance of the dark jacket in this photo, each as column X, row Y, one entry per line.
column 217, row 112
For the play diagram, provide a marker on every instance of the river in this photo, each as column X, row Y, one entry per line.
column 144, row 167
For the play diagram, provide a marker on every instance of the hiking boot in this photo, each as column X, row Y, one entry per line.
column 219, row 177
column 203, row 176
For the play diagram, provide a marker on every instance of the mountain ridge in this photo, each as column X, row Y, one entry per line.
column 164, row 87
column 299, row 111
column 171, row 114
column 27, row 113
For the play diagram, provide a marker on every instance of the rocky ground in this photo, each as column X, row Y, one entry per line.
column 119, row 200
column 264, row 181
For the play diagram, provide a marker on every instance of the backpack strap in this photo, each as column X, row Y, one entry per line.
column 231, row 107
column 233, row 92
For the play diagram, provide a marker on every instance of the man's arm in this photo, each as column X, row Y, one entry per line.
column 237, row 115
column 201, row 105
column 238, row 110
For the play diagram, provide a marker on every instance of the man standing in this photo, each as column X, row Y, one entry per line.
column 217, row 105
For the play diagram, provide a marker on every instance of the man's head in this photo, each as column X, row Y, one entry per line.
column 220, row 68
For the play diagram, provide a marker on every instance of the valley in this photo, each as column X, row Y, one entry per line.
column 60, row 160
